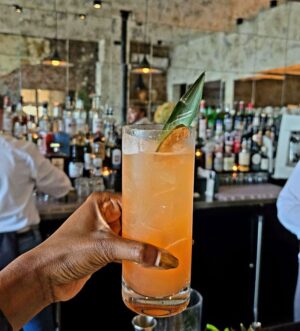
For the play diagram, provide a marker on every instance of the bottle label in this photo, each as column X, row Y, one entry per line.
column 228, row 124
column 80, row 125
column 75, row 169
column 97, row 125
column 219, row 126
column 264, row 165
column 244, row 159
column 228, row 163
column 116, row 158
column 202, row 128
column 256, row 159
column 97, row 162
column 218, row 164
column 208, row 160
column 7, row 124
column 87, row 161
column 70, row 126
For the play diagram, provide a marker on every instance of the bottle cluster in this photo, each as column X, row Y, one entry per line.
column 80, row 142
column 237, row 139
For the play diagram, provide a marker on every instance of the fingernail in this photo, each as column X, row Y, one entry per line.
column 165, row 260
column 158, row 258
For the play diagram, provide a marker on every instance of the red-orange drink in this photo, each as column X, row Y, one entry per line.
column 157, row 207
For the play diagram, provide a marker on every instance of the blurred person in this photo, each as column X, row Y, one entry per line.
column 288, row 208
column 137, row 114
column 58, row 268
column 22, row 170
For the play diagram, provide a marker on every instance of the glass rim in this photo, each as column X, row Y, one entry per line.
column 198, row 297
column 147, row 127
column 142, row 127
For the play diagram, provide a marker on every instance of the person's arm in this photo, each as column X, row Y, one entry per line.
column 57, row 269
column 288, row 203
column 49, row 179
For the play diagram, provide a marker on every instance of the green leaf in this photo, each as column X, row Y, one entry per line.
column 187, row 107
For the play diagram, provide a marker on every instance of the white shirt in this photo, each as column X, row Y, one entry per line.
column 23, row 168
column 288, row 203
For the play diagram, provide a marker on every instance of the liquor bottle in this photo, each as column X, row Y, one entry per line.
column 70, row 122
column 239, row 117
column 264, row 163
column 209, row 151
column 96, row 116
column 20, row 121
column 228, row 159
column 227, row 120
column 57, row 123
column 62, row 138
column 256, row 121
column 87, row 150
column 109, row 145
column 99, row 155
column 44, row 123
column 248, row 129
column 218, row 159
column 211, row 117
column 76, row 164
column 7, row 116
column 80, row 116
column 32, row 130
column 202, row 126
column 116, row 161
column 237, row 146
column 244, row 158
column 57, row 158
column 255, row 153
column 199, row 155
column 108, row 122
column 116, row 155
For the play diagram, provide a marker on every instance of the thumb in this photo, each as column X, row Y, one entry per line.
column 142, row 253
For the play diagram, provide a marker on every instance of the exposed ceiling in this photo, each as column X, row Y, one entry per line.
column 190, row 17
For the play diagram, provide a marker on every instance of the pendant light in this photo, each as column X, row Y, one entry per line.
column 144, row 67
column 55, row 59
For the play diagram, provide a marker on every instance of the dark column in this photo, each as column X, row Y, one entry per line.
column 124, row 64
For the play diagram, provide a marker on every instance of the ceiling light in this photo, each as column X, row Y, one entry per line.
column 82, row 16
column 144, row 67
column 18, row 9
column 55, row 59
column 97, row 4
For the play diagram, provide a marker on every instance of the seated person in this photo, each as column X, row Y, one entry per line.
column 137, row 114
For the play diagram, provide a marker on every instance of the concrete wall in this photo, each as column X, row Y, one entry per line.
column 270, row 40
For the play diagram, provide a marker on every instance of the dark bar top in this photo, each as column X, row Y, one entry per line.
column 240, row 195
column 228, row 196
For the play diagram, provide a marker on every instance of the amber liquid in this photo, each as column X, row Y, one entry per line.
column 157, row 208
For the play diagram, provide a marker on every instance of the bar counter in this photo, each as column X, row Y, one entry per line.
column 227, row 197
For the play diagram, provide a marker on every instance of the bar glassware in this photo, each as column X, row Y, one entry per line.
column 157, row 208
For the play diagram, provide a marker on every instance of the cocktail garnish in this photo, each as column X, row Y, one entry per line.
column 185, row 111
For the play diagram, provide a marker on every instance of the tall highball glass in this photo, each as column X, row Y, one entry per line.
column 157, row 203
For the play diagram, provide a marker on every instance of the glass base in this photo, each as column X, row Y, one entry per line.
column 156, row 307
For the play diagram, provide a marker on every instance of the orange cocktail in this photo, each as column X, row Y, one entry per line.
column 157, row 204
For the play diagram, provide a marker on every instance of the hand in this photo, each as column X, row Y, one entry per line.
column 58, row 268
column 88, row 241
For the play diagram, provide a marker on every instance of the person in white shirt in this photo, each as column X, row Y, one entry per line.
column 288, row 208
column 22, row 170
